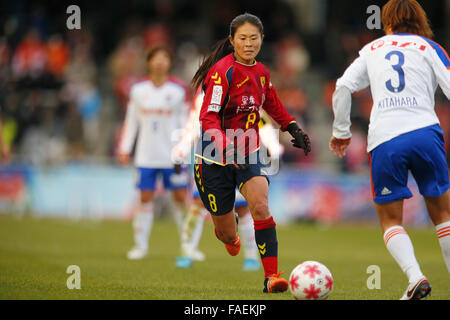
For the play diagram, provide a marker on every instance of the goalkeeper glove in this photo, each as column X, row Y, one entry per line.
column 301, row 139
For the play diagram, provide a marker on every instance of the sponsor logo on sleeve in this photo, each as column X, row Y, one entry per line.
column 213, row 108
column 216, row 97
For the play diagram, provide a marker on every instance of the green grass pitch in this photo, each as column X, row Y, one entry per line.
column 35, row 254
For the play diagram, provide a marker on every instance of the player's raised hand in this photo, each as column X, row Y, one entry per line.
column 338, row 146
column 301, row 139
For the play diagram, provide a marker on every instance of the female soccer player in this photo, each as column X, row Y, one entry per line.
column 236, row 87
column 157, row 107
column 193, row 222
column 403, row 69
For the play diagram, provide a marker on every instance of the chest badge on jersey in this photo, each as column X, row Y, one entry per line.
column 263, row 81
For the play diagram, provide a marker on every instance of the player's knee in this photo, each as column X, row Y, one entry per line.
column 241, row 211
column 180, row 195
column 146, row 196
column 226, row 236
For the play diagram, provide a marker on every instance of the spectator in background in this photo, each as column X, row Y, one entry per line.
column 29, row 59
column 126, row 65
column 4, row 149
column 156, row 35
column 5, row 60
column 291, row 61
column 58, row 56
column 5, row 56
column 88, row 105
column 33, row 105
column 83, row 97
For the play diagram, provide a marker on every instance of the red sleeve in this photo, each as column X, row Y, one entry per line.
column 216, row 92
column 273, row 106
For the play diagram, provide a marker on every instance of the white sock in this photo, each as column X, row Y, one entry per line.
column 198, row 230
column 192, row 225
column 247, row 235
column 142, row 225
column 179, row 214
column 443, row 233
column 400, row 246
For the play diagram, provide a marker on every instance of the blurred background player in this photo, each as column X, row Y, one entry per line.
column 193, row 223
column 236, row 86
column 403, row 70
column 157, row 108
column 192, row 226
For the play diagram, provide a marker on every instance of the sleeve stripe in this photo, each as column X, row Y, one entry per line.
column 442, row 54
column 440, row 51
column 228, row 75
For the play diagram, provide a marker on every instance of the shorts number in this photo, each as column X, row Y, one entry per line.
column 212, row 202
column 250, row 120
column 397, row 67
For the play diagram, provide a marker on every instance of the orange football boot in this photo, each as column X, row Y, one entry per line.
column 234, row 248
column 274, row 283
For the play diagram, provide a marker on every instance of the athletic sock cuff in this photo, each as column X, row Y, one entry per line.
column 393, row 231
column 264, row 224
column 147, row 207
column 443, row 229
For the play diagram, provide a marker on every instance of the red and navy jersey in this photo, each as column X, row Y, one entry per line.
column 234, row 95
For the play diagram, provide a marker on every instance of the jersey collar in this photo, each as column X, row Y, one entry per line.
column 244, row 64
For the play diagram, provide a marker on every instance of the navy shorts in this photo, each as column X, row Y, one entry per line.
column 239, row 201
column 171, row 180
column 217, row 184
column 422, row 153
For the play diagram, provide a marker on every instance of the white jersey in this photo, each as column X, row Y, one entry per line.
column 155, row 115
column 403, row 71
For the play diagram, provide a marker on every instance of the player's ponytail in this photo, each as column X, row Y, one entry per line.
column 221, row 49
column 405, row 16
column 224, row 47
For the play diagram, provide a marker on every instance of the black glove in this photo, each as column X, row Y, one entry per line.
column 301, row 139
column 239, row 162
column 177, row 168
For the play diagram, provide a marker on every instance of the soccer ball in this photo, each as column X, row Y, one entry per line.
column 310, row 280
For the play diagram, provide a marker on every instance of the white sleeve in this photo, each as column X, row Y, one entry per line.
column 181, row 152
column 342, row 104
column 183, row 111
column 441, row 67
column 355, row 78
column 129, row 129
column 180, row 117
column 270, row 139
